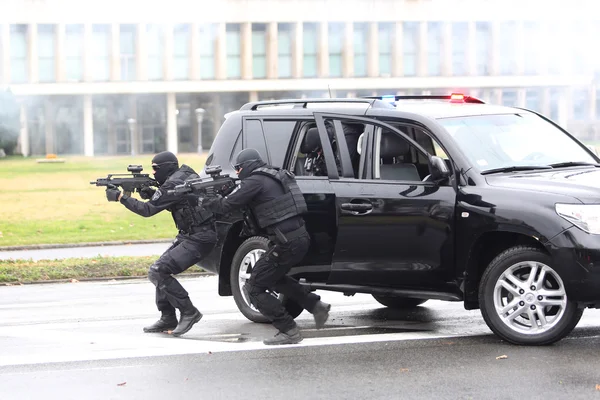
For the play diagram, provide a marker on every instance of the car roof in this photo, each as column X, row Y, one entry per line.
column 441, row 109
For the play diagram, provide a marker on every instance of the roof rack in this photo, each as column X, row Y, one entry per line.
column 302, row 103
column 454, row 97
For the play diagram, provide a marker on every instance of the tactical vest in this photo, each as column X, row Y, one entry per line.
column 288, row 205
column 188, row 213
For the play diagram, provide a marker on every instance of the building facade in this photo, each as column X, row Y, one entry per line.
column 133, row 77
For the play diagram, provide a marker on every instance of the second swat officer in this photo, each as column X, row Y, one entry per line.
column 196, row 239
column 277, row 203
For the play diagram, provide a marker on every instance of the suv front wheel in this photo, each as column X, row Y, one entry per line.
column 523, row 299
column 244, row 260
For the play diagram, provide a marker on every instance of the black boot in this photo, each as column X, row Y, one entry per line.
column 187, row 320
column 166, row 322
column 321, row 313
column 292, row 336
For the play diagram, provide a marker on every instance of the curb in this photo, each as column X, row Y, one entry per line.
column 90, row 244
column 111, row 278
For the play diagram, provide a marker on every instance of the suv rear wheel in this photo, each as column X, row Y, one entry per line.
column 398, row 302
column 523, row 299
column 244, row 260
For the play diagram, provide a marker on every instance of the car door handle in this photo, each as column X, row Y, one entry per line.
column 359, row 207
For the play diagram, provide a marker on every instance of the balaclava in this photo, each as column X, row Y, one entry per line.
column 167, row 164
column 248, row 160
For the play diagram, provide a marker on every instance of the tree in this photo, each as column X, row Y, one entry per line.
column 9, row 121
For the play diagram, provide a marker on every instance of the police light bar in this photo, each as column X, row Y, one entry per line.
column 457, row 98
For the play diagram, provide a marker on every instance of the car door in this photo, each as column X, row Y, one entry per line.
column 391, row 232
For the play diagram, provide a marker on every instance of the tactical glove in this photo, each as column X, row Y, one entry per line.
column 112, row 194
column 146, row 193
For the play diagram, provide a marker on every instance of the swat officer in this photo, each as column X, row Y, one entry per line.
column 196, row 239
column 277, row 203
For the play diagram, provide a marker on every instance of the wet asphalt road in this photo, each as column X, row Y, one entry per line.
column 84, row 341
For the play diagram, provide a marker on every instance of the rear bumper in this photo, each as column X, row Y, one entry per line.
column 577, row 260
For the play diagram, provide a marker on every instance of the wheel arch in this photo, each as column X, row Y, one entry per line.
column 487, row 246
column 232, row 241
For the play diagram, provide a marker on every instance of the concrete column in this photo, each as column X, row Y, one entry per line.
column 446, row 55
column 520, row 48
column 495, row 47
column 348, row 51
column 141, row 52
column 88, row 126
column 323, row 56
column 422, row 50
column 564, row 106
column 111, row 127
column 373, row 50
column 246, row 50
column 168, row 54
column 546, row 103
column 272, row 50
column 23, row 132
column 221, row 52
column 59, row 54
column 32, row 45
column 253, row 96
column 496, row 96
column 4, row 54
column 194, row 52
column 133, row 123
column 298, row 50
column 87, row 53
column 521, row 97
column 115, row 53
column 398, row 50
column 216, row 113
column 49, row 125
column 472, row 48
column 171, row 123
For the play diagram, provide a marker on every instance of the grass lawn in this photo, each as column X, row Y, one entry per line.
column 49, row 203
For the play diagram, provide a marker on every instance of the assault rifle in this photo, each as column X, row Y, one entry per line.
column 129, row 182
column 215, row 184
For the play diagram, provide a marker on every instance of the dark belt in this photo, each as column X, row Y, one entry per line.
column 284, row 238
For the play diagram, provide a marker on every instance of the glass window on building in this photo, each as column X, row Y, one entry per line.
column 460, row 40
column 259, row 51
column 533, row 46
column 410, row 45
column 151, row 127
column 100, row 52
column 336, row 46
column 361, row 38
column 555, row 95
column 507, row 48
column 181, row 51
column 483, row 47
column 18, row 54
column 284, row 50
column 386, row 43
column 310, row 50
column 581, row 104
column 533, row 100
column 509, row 98
column 233, row 45
column 46, row 50
column 434, row 48
column 74, row 53
column 127, row 48
column 208, row 42
column 155, row 48
column 68, row 124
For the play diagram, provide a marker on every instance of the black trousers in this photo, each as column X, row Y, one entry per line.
column 186, row 250
column 270, row 273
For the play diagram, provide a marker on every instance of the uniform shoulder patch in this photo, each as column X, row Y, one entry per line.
column 157, row 195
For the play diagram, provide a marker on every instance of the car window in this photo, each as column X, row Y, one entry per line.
column 497, row 141
column 395, row 158
column 254, row 138
column 278, row 135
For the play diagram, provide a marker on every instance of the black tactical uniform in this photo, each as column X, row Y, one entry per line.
column 277, row 204
column 196, row 239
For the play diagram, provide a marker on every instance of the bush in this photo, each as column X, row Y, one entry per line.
column 9, row 122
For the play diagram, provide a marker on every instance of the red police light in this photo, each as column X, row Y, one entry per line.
column 457, row 98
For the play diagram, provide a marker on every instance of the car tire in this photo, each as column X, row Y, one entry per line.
column 526, row 311
column 246, row 256
column 398, row 302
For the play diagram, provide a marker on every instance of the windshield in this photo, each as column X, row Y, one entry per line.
column 507, row 140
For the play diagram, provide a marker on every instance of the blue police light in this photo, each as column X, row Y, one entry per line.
column 390, row 98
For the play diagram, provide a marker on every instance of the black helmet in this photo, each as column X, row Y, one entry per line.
column 164, row 164
column 246, row 156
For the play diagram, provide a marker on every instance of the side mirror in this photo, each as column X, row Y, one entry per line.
column 438, row 168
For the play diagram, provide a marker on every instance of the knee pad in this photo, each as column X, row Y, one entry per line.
column 154, row 274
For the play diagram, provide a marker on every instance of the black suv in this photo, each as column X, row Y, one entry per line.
column 413, row 198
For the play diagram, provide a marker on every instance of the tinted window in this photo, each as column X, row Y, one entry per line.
column 254, row 138
column 278, row 135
